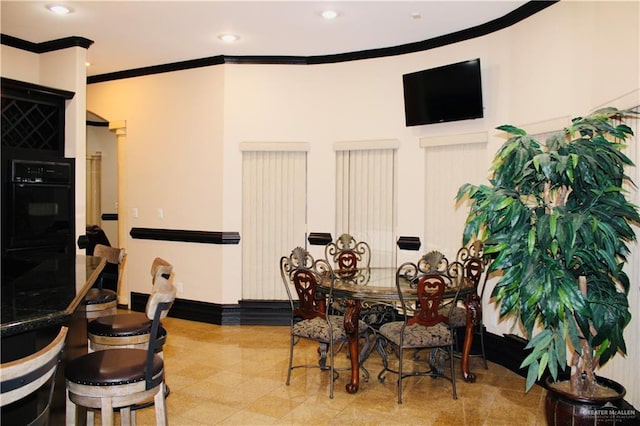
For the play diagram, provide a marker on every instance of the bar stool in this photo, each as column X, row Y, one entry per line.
column 100, row 301
column 123, row 378
column 26, row 375
column 130, row 329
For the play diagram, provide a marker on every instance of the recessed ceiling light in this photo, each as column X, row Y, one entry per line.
column 87, row 64
column 59, row 9
column 329, row 14
column 228, row 38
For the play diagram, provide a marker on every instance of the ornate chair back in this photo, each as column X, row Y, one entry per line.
column 303, row 273
column 432, row 276
column 348, row 255
column 472, row 257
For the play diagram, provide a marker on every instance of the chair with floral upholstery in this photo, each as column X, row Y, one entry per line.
column 423, row 326
column 309, row 316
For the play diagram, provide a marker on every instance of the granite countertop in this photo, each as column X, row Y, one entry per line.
column 44, row 290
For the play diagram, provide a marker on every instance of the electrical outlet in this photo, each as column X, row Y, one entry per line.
column 180, row 287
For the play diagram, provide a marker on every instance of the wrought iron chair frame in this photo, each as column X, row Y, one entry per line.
column 430, row 276
column 475, row 269
column 300, row 271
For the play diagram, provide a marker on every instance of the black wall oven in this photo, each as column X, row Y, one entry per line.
column 40, row 205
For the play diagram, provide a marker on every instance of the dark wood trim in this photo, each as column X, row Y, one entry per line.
column 193, row 310
column 319, row 238
column 265, row 312
column 521, row 13
column 205, row 237
column 409, row 243
column 97, row 123
column 46, row 46
column 30, row 89
column 109, row 216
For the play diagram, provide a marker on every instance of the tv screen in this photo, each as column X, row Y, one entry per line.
column 448, row 93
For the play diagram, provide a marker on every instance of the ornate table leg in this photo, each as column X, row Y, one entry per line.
column 351, row 327
column 474, row 314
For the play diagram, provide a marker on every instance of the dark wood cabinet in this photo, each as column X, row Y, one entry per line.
column 33, row 129
column 33, row 119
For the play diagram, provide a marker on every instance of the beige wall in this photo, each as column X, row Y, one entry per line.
column 182, row 125
column 184, row 129
column 183, row 132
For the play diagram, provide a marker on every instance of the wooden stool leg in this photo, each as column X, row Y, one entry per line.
column 125, row 416
column 107, row 412
column 71, row 412
column 161, row 407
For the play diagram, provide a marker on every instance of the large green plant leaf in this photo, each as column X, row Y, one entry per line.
column 552, row 212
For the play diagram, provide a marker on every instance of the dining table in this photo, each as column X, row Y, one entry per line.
column 377, row 285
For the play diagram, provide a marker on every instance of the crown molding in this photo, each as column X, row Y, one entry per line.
column 521, row 13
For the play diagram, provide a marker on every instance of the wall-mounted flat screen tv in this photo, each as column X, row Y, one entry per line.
column 447, row 93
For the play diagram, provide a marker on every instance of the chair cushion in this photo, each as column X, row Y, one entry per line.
column 129, row 324
column 111, row 367
column 318, row 329
column 416, row 335
column 98, row 296
column 458, row 316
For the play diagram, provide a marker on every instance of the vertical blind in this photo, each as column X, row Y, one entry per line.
column 366, row 200
column 273, row 218
column 619, row 367
column 447, row 167
column 94, row 189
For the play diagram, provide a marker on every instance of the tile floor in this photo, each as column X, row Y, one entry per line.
column 235, row 375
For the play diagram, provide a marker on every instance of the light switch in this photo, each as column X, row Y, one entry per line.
column 160, row 213
column 135, row 212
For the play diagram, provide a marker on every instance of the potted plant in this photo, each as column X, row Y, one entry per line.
column 556, row 219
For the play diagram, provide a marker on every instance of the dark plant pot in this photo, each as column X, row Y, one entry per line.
column 563, row 408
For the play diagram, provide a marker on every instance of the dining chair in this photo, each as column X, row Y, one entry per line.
column 128, row 329
column 24, row 376
column 100, row 301
column 310, row 318
column 422, row 326
column 123, row 378
column 348, row 255
column 475, row 265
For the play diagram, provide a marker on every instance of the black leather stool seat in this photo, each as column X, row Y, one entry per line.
column 97, row 296
column 113, row 367
column 129, row 324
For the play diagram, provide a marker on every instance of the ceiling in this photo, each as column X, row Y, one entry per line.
column 134, row 34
